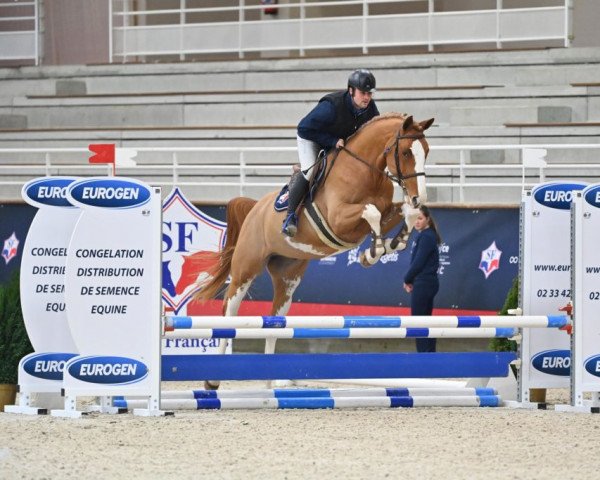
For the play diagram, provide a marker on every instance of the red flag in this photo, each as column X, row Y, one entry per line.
column 105, row 153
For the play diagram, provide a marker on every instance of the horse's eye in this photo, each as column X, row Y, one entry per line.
column 406, row 153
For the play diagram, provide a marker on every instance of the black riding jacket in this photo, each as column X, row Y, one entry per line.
column 333, row 118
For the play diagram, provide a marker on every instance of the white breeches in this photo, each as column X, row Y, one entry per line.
column 307, row 154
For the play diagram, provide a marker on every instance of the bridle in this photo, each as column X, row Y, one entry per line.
column 399, row 178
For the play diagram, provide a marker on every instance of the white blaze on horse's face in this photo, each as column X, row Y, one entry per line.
column 410, row 215
column 419, row 154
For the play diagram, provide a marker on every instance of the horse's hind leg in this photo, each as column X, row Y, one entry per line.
column 286, row 275
column 243, row 272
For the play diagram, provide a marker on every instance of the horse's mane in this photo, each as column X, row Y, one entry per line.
column 379, row 118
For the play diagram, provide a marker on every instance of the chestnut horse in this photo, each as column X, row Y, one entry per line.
column 355, row 200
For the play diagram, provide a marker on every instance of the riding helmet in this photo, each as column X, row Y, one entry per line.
column 362, row 79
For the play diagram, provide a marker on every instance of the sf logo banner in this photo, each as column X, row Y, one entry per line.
column 189, row 237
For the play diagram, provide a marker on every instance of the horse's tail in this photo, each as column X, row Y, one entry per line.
column 237, row 211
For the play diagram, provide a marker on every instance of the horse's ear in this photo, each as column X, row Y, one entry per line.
column 408, row 121
column 426, row 123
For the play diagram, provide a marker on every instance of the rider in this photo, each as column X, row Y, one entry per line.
column 337, row 116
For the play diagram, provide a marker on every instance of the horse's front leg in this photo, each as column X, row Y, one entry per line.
column 286, row 274
column 400, row 240
column 375, row 251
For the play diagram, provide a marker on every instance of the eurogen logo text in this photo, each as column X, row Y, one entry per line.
column 114, row 193
column 50, row 191
column 592, row 196
column 556, row 195
column 553, row 362
column 47, row 366
column 108, row 370
column 592, row 365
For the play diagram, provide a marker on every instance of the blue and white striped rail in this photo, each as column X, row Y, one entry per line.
column 532, row 321
column 262, row 333
column 316, row 402
column 325, row 393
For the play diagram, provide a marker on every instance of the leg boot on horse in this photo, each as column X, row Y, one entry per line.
column 297, row 190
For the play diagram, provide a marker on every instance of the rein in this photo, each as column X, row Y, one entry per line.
column 400, row 177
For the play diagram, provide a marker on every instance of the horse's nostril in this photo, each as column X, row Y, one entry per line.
column 415, row 202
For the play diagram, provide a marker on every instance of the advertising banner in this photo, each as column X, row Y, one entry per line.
column 112, row 288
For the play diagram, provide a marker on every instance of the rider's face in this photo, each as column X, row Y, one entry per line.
column 361, row 99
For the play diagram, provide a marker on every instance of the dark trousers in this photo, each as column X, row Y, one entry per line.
column 422, row 304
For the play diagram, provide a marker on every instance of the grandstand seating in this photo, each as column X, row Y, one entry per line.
column 499, row 97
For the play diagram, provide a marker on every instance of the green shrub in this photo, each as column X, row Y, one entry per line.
column 512, row 301
column 14, row 342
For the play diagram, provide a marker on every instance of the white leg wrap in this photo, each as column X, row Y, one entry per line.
column 373, row 218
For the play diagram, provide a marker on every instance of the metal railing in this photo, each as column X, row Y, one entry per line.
column 323, row 25
column 243, row 170
column 19, row 31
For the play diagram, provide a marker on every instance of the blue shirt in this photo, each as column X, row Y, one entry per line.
column 313, row 127
column 425, row 258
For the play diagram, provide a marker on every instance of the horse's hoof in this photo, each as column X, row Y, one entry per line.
column 208, row 385
column 401, row 246
column 364, row 262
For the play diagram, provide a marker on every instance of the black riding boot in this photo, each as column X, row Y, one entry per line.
column 297, row 189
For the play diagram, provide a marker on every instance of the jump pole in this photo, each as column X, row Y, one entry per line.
column 354, row 322
column 187, row 398
column 362, row 333
column 318, row 402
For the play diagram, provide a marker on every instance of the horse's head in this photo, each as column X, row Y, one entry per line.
column 408, row 161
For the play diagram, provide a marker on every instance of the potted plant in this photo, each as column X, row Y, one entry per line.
column 511, row 302
column 14, row 342
column 506, row 345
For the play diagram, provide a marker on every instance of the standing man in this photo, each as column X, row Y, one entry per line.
column 337, row 116
column 421, row 279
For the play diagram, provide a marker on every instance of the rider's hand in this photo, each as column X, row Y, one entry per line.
column 340, row 143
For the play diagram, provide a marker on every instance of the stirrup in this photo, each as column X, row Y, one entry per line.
column 290, row 227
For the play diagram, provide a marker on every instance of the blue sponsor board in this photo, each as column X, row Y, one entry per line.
column 108, row 370
column 466, row 233
column 110, row 193
column 14, row 219
column 47, row 366
column 553, row 362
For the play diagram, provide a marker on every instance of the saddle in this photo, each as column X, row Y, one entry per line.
column 318, row 179
column 313, row 214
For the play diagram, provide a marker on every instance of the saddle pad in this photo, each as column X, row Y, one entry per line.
column 281, row 200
